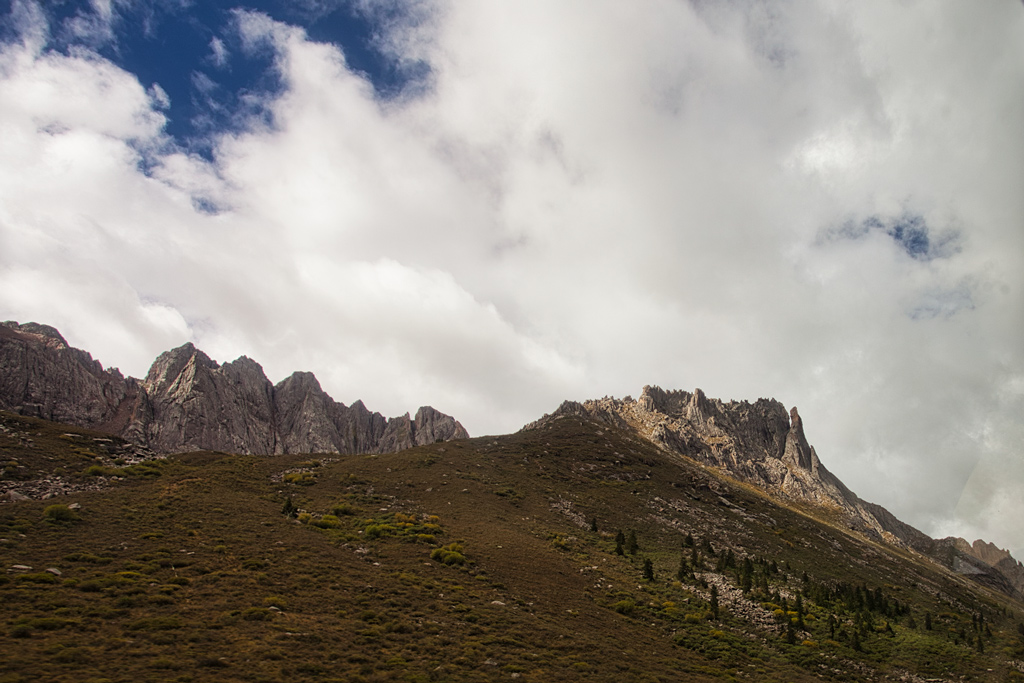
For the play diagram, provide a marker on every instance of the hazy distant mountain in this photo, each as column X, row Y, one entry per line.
column 190, row 402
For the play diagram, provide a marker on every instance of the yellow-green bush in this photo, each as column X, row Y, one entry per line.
column 449, row 554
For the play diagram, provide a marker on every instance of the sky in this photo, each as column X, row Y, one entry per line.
column 494, row 207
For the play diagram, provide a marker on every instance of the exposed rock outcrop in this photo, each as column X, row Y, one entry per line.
column 984, row 562
column 759, row 443
column 190, row 402
column 41, row 376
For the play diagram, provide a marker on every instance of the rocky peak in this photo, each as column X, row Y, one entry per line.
column 190, row 402
column 759, row 443
column 43, row 333
column 797, row 452
column 431, row 426
column 41, row 376
column 989, row 553
column 170, row 365
column 698, row 410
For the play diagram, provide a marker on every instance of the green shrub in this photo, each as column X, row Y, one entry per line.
column 59, row 513
column 41, row 577
column 141, row 470
column 87, row 557
column 342, row 509
column 378, row 530
column 257, row 614
column 626, row 607
column 327, row 522
column 450, row 554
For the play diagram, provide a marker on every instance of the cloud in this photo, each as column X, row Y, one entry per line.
column 817, row 203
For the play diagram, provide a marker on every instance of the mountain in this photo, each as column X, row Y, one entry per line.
column 574, row 551
column 190, row 402
column 762, row 444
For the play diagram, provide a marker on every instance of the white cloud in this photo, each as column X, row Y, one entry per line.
column 579, row 204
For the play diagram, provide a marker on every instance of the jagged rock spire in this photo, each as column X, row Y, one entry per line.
column 797, row 452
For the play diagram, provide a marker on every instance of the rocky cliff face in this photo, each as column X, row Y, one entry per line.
column 41, row 376
column 984, row 562
column 759, row 443
column 190, row 402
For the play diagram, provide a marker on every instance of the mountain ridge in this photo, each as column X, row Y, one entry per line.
column 188, row 401
column 760, row 443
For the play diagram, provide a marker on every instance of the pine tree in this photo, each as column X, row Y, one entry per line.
column 619, row 541
column 790, row 633
column 927, row 621
column 631, row 545
column 683, row 570
column 714, row 601
column 648, row 569
column 289, row 508
column 688, row 541
column 747, row 575
column 593, row 524
column 695, row 558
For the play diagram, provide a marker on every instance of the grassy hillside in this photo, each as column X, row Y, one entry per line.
column 488, row 559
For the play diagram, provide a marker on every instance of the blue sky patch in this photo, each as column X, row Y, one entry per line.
column 909, row 231
column 192, row 53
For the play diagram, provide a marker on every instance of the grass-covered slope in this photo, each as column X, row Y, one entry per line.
column 487, row 559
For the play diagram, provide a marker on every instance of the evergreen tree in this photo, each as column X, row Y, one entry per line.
column 683, row 570
column 688, row 541
column 747, row 575
column 631, row 545
column 619, row 540
column 927, row 621
column 695, row 558
column 289, row 509
column 714, row 601
column 593, row 524
column 790, row 633
column 648, row 569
